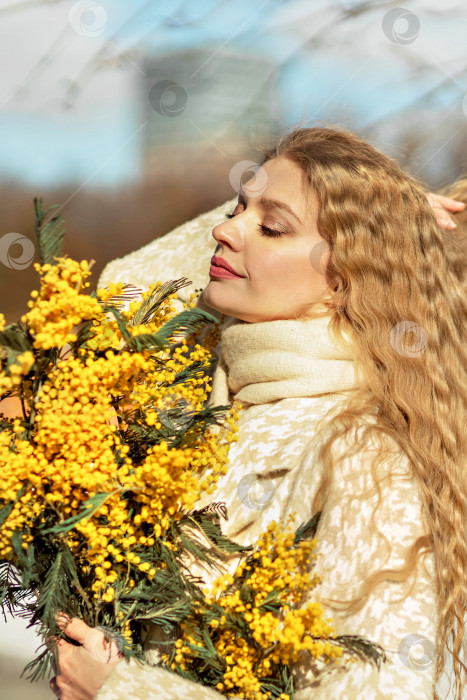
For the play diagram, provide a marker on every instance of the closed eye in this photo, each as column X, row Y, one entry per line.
column 265, row 230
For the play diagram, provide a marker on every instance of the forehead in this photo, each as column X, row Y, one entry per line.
column 286, row 181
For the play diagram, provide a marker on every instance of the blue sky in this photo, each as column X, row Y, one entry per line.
column 356, row 76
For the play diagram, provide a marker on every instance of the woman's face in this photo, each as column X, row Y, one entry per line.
column 277, row 272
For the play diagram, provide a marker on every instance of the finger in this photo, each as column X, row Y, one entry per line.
column 54, row 687
column 100, row 648
column 449, row 203
column 444, row 220
column 76, row 629
column 63, row 620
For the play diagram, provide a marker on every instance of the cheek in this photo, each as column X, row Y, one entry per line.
column 284, row 270
column 269, row 267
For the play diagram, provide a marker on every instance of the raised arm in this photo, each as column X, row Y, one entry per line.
column 183, row 252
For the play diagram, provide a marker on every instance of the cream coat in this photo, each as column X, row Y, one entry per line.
column 275, row 472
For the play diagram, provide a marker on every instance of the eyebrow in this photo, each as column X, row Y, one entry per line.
column 268, row 203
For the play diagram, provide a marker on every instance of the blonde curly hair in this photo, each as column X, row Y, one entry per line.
column 394, row 275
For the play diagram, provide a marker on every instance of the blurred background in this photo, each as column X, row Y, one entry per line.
column 130, row 116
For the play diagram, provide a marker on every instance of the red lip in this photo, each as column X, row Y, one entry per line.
column 217, row 262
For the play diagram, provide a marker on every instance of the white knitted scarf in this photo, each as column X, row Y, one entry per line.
column 264, row 362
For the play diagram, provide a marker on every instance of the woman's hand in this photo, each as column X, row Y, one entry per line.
column 83, row 669
column 441, row 206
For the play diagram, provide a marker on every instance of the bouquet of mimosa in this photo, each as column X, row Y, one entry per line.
column 100, row 475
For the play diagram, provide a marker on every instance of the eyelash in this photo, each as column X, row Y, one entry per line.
column 271, row 232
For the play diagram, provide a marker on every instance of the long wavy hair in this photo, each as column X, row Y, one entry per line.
column 398, row 285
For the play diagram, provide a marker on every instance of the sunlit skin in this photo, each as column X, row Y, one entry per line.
column 83, row 668
column 279, row 271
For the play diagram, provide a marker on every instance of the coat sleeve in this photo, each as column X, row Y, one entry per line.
column 140, row 681
column 183, row 252
column 354, row 540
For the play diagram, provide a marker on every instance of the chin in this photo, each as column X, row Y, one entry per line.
column 206, row 297
column 222, row 308
column 213, row 297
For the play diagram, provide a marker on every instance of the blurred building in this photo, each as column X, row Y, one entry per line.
column 208, row 100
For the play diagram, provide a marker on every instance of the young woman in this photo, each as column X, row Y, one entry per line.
column 346, row 350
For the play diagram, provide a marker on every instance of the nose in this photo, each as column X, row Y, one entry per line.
column 228, row 234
